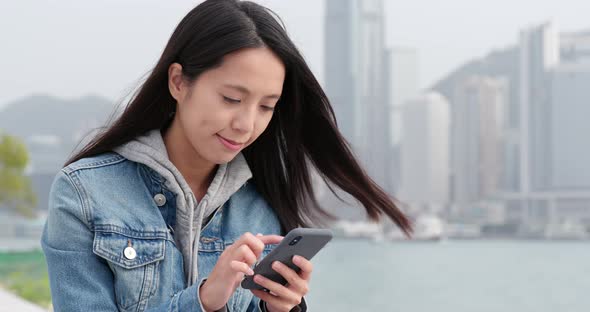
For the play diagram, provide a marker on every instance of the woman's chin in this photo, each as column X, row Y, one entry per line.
column 225, row 158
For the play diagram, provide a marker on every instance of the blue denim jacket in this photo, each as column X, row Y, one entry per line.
column 110, row 247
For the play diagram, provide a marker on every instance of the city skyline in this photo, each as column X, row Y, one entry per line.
column 471, row 116
column 490, row 150
column 31, row 60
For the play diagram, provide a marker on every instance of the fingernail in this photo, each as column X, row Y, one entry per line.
column 259, row 234
column 250, row 272
column 275, row 265
column 258, row 278
column 296, row 259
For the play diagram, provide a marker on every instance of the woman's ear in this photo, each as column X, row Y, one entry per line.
column 175, row 80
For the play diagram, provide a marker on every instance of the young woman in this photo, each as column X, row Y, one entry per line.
column 158, row 212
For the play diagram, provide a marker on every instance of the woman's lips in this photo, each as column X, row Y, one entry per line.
column 232, row 145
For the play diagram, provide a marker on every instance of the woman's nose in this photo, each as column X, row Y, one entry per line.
column 244, row 120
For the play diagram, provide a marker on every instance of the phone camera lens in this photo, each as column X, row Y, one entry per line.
column 295, row 240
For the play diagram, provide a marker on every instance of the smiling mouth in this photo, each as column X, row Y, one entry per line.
column 230, row 145
column 232, row 142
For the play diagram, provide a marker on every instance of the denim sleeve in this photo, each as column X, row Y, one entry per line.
column 186, row 303
column 254, row 305
column 79, row 280
column 183, row 301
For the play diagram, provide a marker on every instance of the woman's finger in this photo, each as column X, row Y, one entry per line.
column 241, row 267
column 270, row 239
column 305, row 265
column 244, row 253
column 276, row 301
column 278, row 289
column 253, row 242
column 268, row 298
column 257, row 243
column 296, row 283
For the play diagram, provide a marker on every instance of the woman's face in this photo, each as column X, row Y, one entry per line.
column 228, row 107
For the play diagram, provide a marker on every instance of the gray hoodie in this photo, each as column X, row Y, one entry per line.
column 149, row 149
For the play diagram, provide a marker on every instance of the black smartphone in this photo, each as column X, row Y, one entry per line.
column 304, row 242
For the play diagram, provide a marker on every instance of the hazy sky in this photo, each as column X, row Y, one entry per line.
column 72, row 48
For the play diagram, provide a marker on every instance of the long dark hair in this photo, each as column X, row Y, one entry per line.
column 302, row 133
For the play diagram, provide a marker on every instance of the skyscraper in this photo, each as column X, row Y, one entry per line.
column 401, row 86
column 356, row 76
column 570, row 151
column 539, row 53
column 575, row 47
column 478, row 123
column 425, row 151
column 339, row 60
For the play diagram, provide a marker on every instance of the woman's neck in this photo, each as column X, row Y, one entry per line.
column 197, row 172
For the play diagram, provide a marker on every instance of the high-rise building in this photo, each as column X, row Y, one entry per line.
column 570, row 151
column 401, row 85
column 356, row 75
column 340, row 58
column 404, row 84
column 553, row 98
column 575, row 47
column 425, row 151
column 477, row 138
column 539, row 54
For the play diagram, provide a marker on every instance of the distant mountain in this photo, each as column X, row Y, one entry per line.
column 37, row 114
column 500, row 63
column 51, row 127
column 506, row 63
column 497, row 63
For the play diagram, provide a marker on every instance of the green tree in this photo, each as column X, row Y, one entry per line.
column 15, row 188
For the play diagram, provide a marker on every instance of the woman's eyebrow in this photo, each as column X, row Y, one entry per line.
column 246, row 91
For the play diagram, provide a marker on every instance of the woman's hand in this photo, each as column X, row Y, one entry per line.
column 235, row 261
column 284, row 298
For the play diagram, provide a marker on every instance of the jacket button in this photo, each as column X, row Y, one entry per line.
column 160, row 200
column 129, row 253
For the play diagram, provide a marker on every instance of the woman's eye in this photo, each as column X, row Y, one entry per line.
column 268, row 108
column 230, row 100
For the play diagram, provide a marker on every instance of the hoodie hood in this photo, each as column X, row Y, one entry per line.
column 149, row 149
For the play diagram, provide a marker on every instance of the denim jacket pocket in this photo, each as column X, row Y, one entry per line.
column 134, row 260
